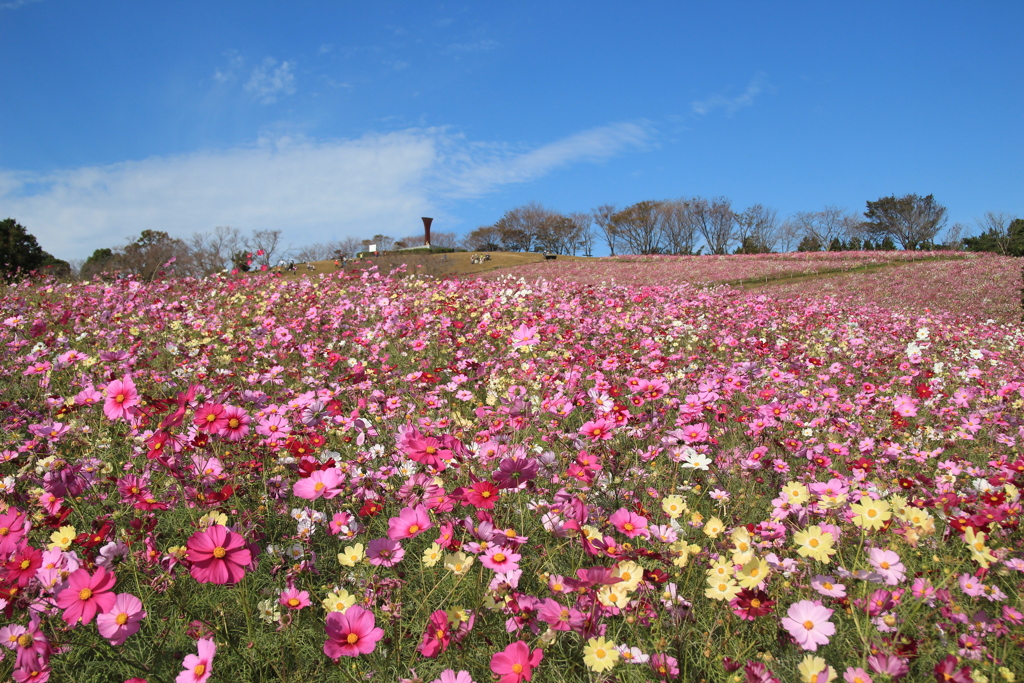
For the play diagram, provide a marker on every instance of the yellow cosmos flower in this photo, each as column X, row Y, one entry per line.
column 458, row 563
column 338, row 600
column 871, row 514
column 63, row 538
column 811, row 668
column 673, row 506
column 432, row 555
column 714, row 527
column 721, row 589
column 352, row 555
column 979, row 552
column 631, row 574
column 600, row 655
column 752, row 573
column 814, row 543
column 796, row 493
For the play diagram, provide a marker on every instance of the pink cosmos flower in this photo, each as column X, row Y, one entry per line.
column 629, row 523
column 293, row 598
column 828, row 586
column 351, row 634
column 524, row 336
column 32, row 669
column 410, row 523
column 86, row 595
column 482, row 495
column 516, row 663
column 121, row 397
column 218, row 555
column 597, row 430
column 383, row 552
column 500, row 559
column 322, row 483
column 274, row 427
column 437, row 636
column 122, row 620
column 12, row 529
column 423, row 449
column 236, row 423
column 808, row 623
column 198, row 667
column 211, row 418
column 559, row 617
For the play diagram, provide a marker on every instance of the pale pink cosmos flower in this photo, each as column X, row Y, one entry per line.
column 322, row 483
column 808, row 623
column 122, row 620
column 198, row 667
column 351, row 633
column 451, row 676
column 410, row 523
column 887, row 564
column 828, row 586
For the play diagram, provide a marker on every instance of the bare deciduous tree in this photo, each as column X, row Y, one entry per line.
column 757, row 229
column 639, row 227
column 484, row 238
column 603, row 218
column 264, row 246
column 716, row 222
column 997, row 225
column 828, row 226
column 211, row 251
column 679, row 226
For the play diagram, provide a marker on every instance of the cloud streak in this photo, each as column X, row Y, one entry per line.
column 312, row 190
column 731, row 105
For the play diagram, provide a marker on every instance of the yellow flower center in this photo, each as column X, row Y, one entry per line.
column 517, row 668
column 120, row 398
column 498, row 557
column 24, row 640
column 211, row 418
column 414, row 528
column 199, row 670
column 320, row 486
column 219, row 552
column 755, row 603
column 485, row 494
column 85, row 594
column 25, row 564
column 121, row 619
column 4, row 530
column 352, row 639
column 439, row 634
column 813, row 543
column 808, row 624
column 872, row 513
column 883, row 565
column 827, row 586
column 233, row 423
column 600, row 653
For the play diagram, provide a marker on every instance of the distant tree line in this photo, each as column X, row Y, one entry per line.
column 686, row 226
column 694, row 225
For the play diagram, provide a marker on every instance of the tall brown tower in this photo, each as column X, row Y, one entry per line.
column 426, row 230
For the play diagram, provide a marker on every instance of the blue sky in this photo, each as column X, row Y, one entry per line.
column 329, row 119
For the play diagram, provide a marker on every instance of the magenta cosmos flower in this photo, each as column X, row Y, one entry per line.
column 598, row 430
column 808, row 623
column 410, row 523
column 123, row 619
column 351, row 634
column 321, row 483
column 236, row 423
column 516, row 663
column 121, row 397
column 86, row 595
column 198, row 667
column 12, row 529
column 218, row 555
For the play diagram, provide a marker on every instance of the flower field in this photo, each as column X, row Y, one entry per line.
column 361, row 477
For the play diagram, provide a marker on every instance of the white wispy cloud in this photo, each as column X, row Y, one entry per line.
column 271, row 80
column 15, row 4
column 312, row 190
column 731, row 105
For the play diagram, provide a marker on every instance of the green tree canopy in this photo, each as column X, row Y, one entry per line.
column 20, row 253
column 910, row 220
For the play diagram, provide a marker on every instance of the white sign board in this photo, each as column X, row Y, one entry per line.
column 372, row 248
